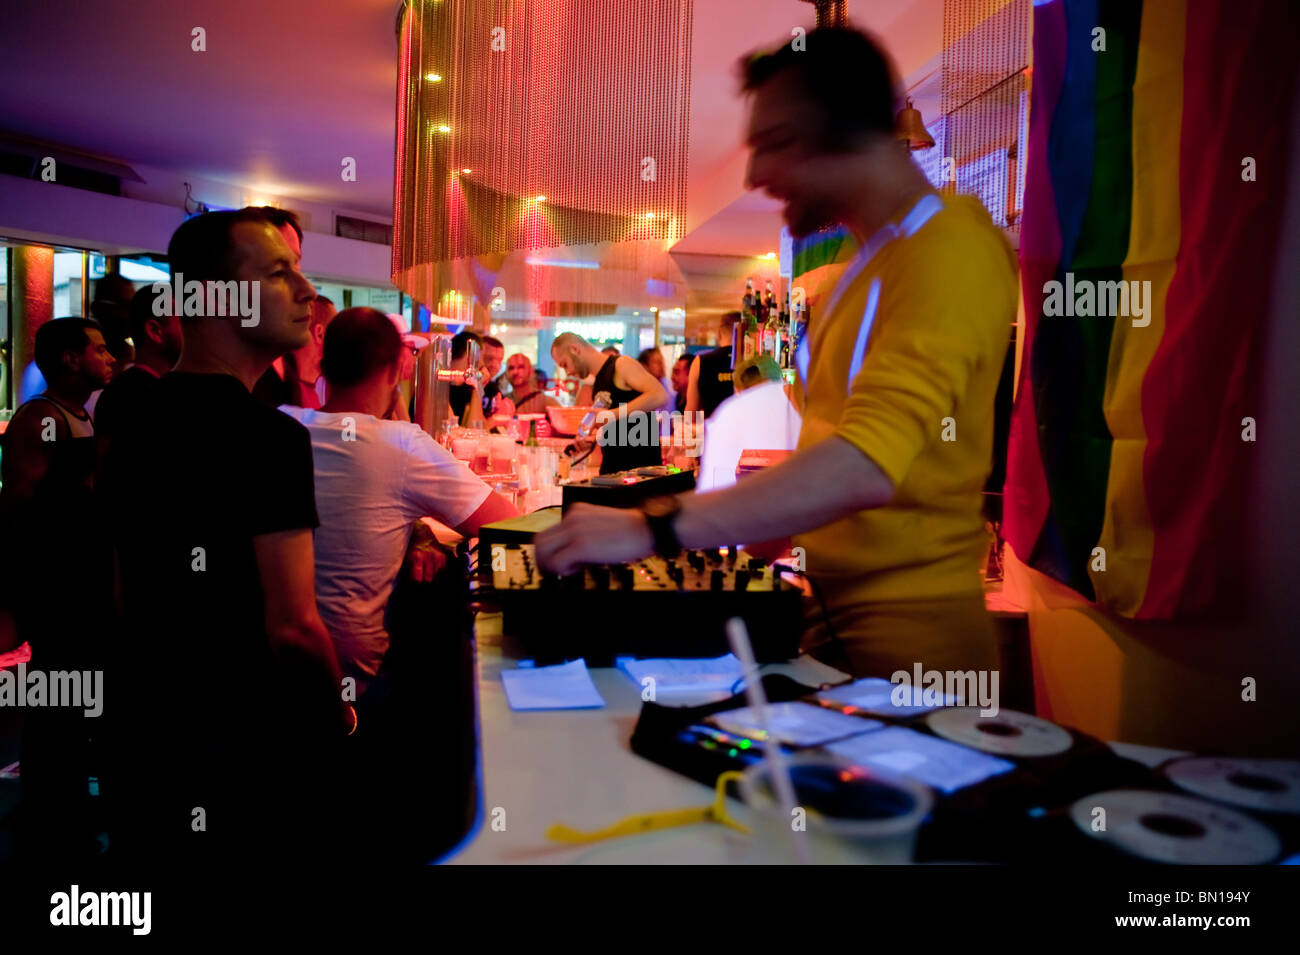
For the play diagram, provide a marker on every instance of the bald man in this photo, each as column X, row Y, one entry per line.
column 631, row 439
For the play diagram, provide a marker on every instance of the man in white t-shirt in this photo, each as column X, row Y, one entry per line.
column 374, row 480
column 758, row 417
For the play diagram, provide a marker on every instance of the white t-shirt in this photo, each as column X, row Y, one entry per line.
column 760, row 418
column 369, row 491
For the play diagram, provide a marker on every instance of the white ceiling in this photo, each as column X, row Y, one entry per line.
column 287, row 89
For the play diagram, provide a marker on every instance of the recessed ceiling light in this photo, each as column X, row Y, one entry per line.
column 541, row 199
column 433, row 77
column 467, row 171
column 649, row 215
column 444, row 129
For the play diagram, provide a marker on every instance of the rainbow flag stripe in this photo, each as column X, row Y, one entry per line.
column 1157, row 156
column 819, row 259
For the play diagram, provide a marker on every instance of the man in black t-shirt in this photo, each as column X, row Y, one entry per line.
column 228, row 701
column 157, row 340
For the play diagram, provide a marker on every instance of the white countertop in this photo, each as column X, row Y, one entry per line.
column 576, row 767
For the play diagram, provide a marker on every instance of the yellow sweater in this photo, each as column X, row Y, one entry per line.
column 944, row 302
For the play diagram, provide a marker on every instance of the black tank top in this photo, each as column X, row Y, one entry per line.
column 633, row 446
column 61, row 615
column 715, row 379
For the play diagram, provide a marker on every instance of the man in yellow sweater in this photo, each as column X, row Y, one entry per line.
column 898, row 369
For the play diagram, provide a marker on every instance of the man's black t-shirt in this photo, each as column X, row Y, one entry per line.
column 458, row 396
column 203, row 470
column 191, row 481
column 123, row 398
column 272, row 390
column 715, row 379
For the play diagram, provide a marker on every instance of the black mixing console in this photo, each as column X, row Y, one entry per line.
column 652, row 607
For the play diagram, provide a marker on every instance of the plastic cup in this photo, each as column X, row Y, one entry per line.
column 845, row 814
column 462, row 449
column 503, row 449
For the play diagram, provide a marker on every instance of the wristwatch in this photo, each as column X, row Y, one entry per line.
column 660, row 515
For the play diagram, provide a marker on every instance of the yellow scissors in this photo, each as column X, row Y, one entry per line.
column 651, row 822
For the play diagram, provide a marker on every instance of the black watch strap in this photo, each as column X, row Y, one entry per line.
column 660, row 515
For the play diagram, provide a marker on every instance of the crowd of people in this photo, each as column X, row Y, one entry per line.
column 222, row 540
column 256, row 495
column 228, row 538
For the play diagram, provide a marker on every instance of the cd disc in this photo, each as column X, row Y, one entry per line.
column 1267, row 785
column 1180, row 830
column 1008, row 734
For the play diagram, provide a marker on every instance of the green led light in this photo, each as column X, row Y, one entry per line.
column 708, row 744
column 745, row 744
column 732, row 751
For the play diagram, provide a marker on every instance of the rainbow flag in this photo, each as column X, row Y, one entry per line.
column 819, row 260
column 1157, row 156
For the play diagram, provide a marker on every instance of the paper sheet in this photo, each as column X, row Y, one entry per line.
column 677, row 676
column 567, row 686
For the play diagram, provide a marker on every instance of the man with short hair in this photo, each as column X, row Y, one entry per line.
column 630, row 439
column 302, row 366
column 464, row 407
column 111, row 308
column 229, row 690
column 492, row 354
column 886, row 504
column 157, row 339
column 681, row 378
column 759, row 417
column 524, row 393
column 274, row 388
column 374, row 479
column 61, row 607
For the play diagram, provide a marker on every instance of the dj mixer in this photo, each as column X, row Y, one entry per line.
column 651, row 607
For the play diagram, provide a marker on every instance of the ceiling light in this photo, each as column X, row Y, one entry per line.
column 433, row 77
column 467, row 171
column 649, row 215
column 769, row 255
column 444, row 129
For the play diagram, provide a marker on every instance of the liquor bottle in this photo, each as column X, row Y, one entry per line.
column 769, row 330
column 769, row 299
column 751, row 299
column 531, row 441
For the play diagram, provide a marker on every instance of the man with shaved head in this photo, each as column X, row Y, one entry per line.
column 631, row 439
